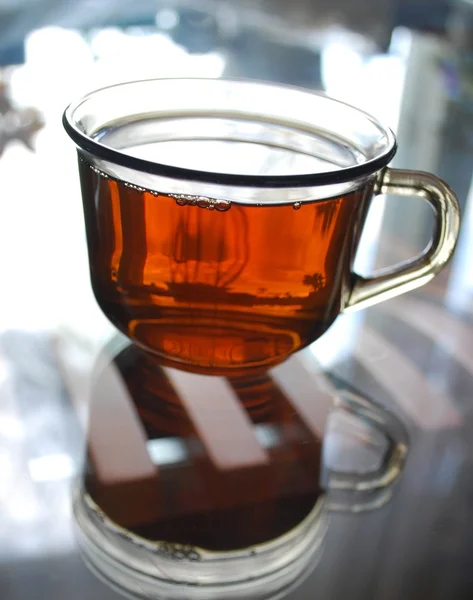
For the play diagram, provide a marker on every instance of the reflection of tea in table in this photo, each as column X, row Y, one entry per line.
column 203, row 461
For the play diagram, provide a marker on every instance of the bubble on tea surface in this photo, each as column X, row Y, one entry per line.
column 297, row 205
column 99, row 172
column 181, row 199
column 222, row 205
column 201, row 202
column 95, row 169
column 132, row 186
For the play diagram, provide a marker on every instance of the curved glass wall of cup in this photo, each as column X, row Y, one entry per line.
column 236, row 141
column 222, row 486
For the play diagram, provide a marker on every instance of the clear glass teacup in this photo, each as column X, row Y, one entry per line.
column 223, row 217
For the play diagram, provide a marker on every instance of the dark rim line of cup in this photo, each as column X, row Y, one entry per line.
column 344, row 175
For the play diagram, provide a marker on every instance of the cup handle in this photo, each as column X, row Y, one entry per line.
column 420, row 270
column 355, row 492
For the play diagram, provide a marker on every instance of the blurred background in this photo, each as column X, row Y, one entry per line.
column 407, row 62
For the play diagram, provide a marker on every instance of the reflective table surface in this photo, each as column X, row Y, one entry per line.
column 412, row 355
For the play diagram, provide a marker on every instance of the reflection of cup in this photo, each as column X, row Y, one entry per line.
column 223, row 217
column 217, row 486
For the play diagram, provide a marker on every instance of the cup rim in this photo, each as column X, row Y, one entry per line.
column 342, row 175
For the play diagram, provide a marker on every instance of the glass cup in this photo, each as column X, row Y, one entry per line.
column 223, row 217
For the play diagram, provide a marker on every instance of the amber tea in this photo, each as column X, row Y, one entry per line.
column 218, row 287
